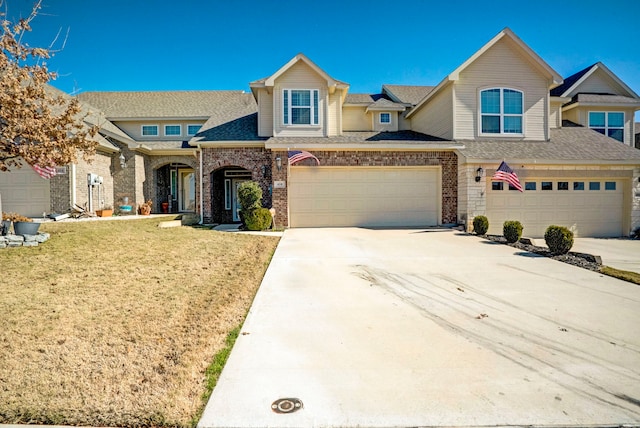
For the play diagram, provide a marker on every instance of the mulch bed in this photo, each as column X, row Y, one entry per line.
column 583, row 260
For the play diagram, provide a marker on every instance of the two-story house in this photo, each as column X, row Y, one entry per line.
column 406, row 156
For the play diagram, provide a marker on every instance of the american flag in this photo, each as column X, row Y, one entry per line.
column 298, row 155
column 504, row 173
column 45, row 172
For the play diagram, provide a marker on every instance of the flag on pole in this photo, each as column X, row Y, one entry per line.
column 45, row 172
column 504, row 173
column 299, row 155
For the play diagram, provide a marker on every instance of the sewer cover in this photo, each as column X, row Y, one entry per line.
column 286, row 405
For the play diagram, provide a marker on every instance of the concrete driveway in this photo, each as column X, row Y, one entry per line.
column 399, row 328
column 615, row 252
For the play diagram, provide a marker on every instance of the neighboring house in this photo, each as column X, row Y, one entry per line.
column 637, row 132
column 407, row 156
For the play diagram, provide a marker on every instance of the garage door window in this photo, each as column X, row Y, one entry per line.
column 496, row 185
column 610, row 185
column 563, row 185
column 594, row 185
column 578, row 185
column 547, row 185
column 530, row 185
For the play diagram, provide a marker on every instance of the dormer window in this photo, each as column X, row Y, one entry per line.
column 149, row 130
column 501, row 111
column 609, row 123
column 385, row 118
column 300, row 106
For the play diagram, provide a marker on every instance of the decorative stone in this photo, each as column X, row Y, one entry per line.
column 15, row 244
column 30, row 244
column 3, row 244
column 29, row 238
column 42, row 237
column 14, row 238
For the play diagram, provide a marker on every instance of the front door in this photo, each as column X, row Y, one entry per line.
column 186, row 190
column 235, row 204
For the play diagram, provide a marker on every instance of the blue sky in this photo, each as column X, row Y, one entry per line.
column 119, row 45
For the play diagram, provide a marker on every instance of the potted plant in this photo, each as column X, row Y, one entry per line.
column 145, row 209
column 105, row 212
column 23, row 225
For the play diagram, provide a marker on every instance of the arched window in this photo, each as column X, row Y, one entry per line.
column 501, row 111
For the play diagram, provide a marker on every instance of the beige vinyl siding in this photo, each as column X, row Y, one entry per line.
column 356, row 119
column 598, row 83
column 300, row 76
column 385, row 127
column 133, row 129
column 573, row 115
column 265, row 113
column 501, row 66
column 403, row 124
column 334, row 118
column 555, row 116
column 436, row 117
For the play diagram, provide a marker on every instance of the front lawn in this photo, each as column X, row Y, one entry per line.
column 114, row 323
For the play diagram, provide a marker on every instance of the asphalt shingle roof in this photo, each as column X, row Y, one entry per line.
column 363, row 98
column 604, row 98
column 408, row 94
column 363, row 137
column 164, row 104
column 570, row 143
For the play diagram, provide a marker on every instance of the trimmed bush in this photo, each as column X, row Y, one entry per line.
column 249, row 196
column 559, row 239
column 480, row 224
column 512, row 231
column 257, row 219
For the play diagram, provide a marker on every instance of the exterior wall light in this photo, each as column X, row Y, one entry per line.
column 479, row 173
column 123, row 163
column 279, row 163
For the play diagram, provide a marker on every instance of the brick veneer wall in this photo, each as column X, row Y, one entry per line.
column 250, row 158
column 152, row 163
column 448, row 161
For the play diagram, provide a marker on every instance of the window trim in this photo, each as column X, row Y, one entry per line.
column 172, row 135
column 142, row 134
column 606, row 123
column 314, row 110
column 502, row 114
column 199, row 125
column 380, row 118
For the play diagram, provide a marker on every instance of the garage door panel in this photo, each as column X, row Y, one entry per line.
column 585, row 212
column 364, row 196
column 24, row 192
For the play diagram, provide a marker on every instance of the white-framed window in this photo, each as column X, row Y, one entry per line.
column 609, row 123
column 300, row 106
column 501, row 111
column 385, row 118
column 173, row 130
column 192, row 128
column 149, row 130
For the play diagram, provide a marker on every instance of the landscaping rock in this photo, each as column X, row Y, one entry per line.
column 23, row 240
column 30, row 244
column 42, row 237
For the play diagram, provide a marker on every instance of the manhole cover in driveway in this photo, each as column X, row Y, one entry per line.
column 286, row 405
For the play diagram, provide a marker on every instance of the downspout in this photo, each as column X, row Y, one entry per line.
column 201, row 186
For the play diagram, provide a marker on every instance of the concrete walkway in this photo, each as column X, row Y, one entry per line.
column 615, row 252
column 399, row 328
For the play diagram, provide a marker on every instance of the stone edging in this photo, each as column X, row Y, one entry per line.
column 10, row 241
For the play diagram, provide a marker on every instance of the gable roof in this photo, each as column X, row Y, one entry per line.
column 407, row 94
column 235, row 120
column 270, row 80
column 162, row 104
column 553, row 75
column 574, row 81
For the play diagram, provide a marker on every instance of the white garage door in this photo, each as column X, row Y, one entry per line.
column 24, row 192
column 589, row 207
column 364, row 196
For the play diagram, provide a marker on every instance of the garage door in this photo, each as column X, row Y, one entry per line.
column 24, row 192
column 364, row 196
column 589, row 207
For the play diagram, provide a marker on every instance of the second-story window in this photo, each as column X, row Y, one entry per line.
column 172, row 130
column 193, row 129
column 501, row 111
column 609, row 123
column 385, row 118
column 149, row 130
column 300, row 106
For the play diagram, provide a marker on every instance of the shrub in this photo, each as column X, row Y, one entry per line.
column 249, row 196
column 480, row 224
column 559, row 239
column 512, row 231
column 257, row 219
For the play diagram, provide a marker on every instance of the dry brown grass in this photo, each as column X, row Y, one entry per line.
column 113, row 323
